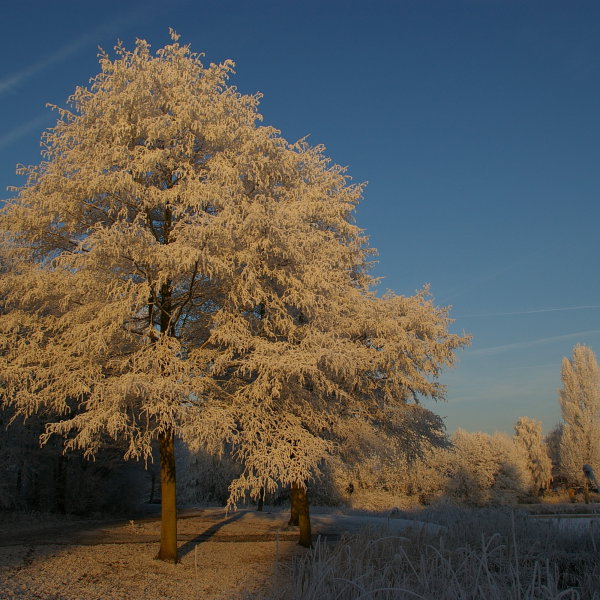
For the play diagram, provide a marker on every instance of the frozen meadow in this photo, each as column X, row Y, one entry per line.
column 437, row 553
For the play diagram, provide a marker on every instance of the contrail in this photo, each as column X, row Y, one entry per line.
column 12, row 81
column 529, row 312
column 519, row 345
column 555, row 365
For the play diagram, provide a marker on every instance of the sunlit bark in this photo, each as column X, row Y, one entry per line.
column 168, row 500
column 295, row 502
column 305, row 538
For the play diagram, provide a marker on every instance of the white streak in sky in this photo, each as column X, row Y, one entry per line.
column 529, row 312
column 12, row 81
column 9, row 83
column 520, row 345
column 23, row 129
column 554, row 366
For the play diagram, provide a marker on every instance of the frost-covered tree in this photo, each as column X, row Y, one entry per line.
column 178, row 269
column 528, row 434
column 115, row 243
column 361, row 356
column 579, row 400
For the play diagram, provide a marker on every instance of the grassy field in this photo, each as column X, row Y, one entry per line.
column 481, row 554
column 435, row 553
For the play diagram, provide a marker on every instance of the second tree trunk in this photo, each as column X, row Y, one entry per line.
column 168, row 503
column 299, row 514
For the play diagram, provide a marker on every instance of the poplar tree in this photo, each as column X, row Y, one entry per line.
column 579, row 400
column 175, row 268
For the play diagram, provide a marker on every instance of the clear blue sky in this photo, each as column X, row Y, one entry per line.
column 476, row 124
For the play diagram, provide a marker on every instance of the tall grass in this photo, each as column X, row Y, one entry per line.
column 483, row 554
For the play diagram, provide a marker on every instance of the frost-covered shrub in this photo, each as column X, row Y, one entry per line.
column 329, row 485
column 426, row 477
column 486, row 469
column 384, row 462
column 359, row 465
column 513, row 478
column 477, row 469
column 471, row 468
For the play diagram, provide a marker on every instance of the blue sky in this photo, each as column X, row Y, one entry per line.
column 475, row 122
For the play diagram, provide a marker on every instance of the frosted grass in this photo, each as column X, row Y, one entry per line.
column 482, row 555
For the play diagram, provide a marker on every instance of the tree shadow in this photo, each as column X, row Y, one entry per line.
column 207, row 534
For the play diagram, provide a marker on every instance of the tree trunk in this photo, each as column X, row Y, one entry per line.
column 304, row 519
column 166, row 441
column 299, row 514
column 168, row 505
column 295, row 506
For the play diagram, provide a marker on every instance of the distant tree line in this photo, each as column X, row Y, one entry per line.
column 406, row 457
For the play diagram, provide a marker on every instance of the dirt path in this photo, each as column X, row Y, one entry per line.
column 199, row 525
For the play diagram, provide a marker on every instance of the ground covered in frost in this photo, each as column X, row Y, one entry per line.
column 443, row 553
column 222, row 556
